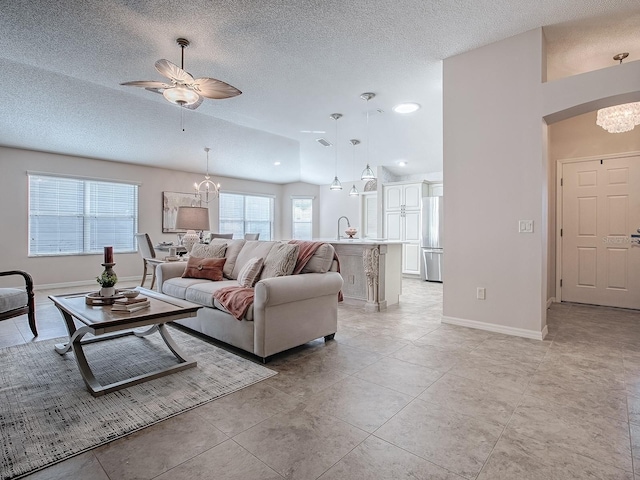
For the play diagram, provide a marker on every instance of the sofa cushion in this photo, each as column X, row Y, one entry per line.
column 12, row 298
column 250, row 273
column 202, row 293
column 281, row 261
column 177, row 286
column 215, row 250
column 252, row 249
column 321, row 260
column 208, row 268
column 233, row 249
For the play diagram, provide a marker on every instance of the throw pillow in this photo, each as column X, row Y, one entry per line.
column 214, row 250
column 281, row 261
column 206, row 268
column 249, row 274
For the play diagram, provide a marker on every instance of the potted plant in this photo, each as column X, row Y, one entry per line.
column 107, row 281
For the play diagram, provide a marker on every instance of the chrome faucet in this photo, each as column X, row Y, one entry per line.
column 348, row 225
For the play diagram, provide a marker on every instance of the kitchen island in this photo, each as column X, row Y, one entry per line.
column 372, row 271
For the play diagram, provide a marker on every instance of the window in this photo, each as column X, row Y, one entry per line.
column 70, row 216
column 240, row 214
column 302, row 217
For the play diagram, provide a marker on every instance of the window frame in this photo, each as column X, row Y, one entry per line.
column 311, row 198
column 244, row 220
column 87, row 205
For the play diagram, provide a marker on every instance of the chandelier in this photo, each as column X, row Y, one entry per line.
column 619, row 118
column 206, row 190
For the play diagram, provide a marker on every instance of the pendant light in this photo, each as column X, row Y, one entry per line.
column 206, row 190
column 336, row 185
column 367, row 173
column 354, row 191
column 619, row 118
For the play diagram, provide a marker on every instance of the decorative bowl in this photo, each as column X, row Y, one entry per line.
column 130, row 293
column 351, row 232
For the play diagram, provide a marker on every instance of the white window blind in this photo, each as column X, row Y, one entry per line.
column 302, row 216
column 240, row 214
column 70, row 216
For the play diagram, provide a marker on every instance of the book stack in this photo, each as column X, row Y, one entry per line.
column 129, row 305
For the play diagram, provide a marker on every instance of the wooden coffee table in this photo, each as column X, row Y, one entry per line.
column 104, row 324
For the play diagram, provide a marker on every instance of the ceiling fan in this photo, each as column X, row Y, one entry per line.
column 184, row 90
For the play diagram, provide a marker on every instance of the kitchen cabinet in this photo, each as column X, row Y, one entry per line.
column 436, row 190
column 402, row 220
column 369, row 215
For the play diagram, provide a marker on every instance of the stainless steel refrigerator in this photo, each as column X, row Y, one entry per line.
column 431, row 239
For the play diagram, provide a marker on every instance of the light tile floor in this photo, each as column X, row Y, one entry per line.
column 399, row 395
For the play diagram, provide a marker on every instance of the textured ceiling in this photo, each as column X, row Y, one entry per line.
column 295, row 61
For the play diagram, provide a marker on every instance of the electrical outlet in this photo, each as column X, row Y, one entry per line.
column 481, row 293
column 525, row 226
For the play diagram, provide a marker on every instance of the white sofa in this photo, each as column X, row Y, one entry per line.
column 287, row 311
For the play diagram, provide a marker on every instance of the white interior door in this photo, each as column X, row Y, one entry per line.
column 600, row 212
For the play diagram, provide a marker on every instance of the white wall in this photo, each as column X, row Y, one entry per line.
column 334, row 204
column 15, row 163
column 494, row 171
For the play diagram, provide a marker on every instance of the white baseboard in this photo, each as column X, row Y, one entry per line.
column 550, row 301
column 492, row 327
column 82, row 283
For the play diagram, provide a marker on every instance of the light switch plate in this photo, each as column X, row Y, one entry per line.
column 525, row 226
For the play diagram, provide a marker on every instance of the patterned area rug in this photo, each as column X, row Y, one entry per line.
column 47, row 414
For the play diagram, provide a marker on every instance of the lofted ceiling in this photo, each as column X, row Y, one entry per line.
column 296, row 63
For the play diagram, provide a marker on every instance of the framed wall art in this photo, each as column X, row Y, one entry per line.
column 170, row 203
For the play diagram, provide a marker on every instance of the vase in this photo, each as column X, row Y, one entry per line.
column 107, row 291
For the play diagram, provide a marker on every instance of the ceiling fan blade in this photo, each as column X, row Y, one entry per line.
column 213, row 88
column 174, row 72
column 155, row 90
column 195, row 105
column 147, row 84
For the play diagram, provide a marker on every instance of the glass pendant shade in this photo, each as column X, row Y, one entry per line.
column 336, row 185
column 367, row 174
column 354, row 191
column 619, row 118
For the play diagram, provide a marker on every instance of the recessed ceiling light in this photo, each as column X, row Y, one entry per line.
column 402, row 163
column 406, row 108
column 276, row 163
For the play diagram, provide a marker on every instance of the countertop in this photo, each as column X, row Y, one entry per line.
column 359, row 241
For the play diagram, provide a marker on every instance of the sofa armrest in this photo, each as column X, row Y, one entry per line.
column 167, row 270
column 292, row 288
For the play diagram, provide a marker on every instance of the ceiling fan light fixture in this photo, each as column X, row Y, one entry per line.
column 181, row 95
